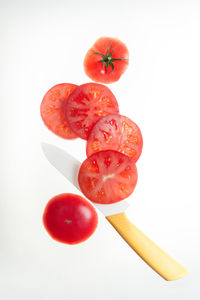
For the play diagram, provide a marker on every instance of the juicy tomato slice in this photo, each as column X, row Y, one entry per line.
column 69, row 218
column 107, row 60
column 107, row 177
column 118, row 133
column 52, row 110
column 86, row 105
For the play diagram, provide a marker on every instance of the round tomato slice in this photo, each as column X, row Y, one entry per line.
column 69, row 218
column 86, row 105
column 107, row 177
column 52, row 110
column 118, row 133
column 107, row 60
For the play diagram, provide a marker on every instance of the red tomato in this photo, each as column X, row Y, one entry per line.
column 118, row 133
column 69, row 218
column 52, row 110
column 86, row 105
column 107, row 60
column 107, row 177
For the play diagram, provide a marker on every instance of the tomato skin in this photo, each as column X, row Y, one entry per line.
column 116, row 132
column 86, row 105
column 69, row 218
column 107, row 177
column 96, row 70
column 52, row 110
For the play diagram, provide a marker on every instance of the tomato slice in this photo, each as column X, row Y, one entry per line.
column 118, row 133
column 86, row 105
column 107, row 177
column 52, row 110
column 69, row 218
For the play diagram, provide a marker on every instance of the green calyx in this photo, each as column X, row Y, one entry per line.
column 108, row 59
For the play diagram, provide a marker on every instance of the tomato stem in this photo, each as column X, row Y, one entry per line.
column 68, row 221
column 107, row 59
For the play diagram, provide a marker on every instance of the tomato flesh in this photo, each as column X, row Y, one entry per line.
column 86, row 105
column 69, row 218
column 107, row 177
column 118, row 133
column 97, row 70
column 52, row 110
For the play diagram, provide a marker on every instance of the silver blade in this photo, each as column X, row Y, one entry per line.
column 69, row 166
column 65, row 163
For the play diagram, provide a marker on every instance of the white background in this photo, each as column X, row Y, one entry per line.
column 43, row 43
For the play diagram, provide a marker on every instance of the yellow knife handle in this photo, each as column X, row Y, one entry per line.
column 154, row 256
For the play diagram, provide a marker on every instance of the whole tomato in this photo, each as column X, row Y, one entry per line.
column 107, row 60
column 69, row 218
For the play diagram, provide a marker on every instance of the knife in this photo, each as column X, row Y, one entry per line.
column 154, row 256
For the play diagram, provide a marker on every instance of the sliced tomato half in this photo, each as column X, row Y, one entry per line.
column 52, row 110
column 86, row 105
column 118, row 133
column 107, row 177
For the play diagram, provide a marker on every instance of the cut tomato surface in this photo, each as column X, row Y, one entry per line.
column 118, row 133
column 107, row 60
column 52, row 110
column 107, row 177
column 86, row 105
